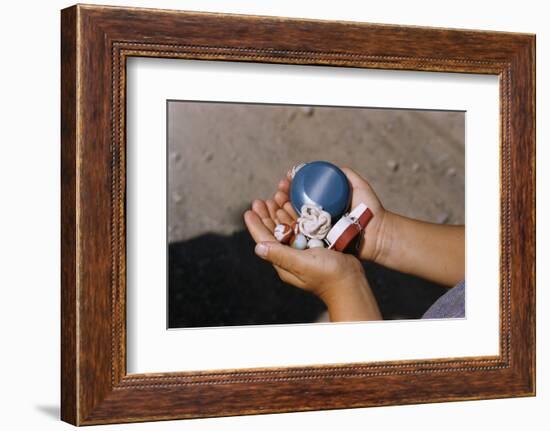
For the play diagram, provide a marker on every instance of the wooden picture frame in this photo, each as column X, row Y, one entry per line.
column 95, row 43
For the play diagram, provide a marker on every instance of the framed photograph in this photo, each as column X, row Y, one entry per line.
column 264, row 214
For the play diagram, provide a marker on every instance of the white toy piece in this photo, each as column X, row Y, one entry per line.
column 314, row 222
column 299, row 242
column 348, row 227
column 315, row 243
column 283, row 233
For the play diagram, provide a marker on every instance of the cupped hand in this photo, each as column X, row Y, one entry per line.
column 372, row 242
column 337, row 278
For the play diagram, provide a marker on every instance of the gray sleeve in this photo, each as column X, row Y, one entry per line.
column 450, row 305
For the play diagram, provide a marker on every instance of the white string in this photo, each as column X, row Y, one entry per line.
column 314, row 222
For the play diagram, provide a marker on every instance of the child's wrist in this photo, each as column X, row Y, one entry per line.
column 351, row 301
column 381, row 248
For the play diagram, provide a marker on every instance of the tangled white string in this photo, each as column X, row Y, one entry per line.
column 314, row 222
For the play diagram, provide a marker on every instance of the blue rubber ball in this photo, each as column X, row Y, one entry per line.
column 322, row 184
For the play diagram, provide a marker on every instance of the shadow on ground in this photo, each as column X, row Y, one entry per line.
column 51, row 411
column 217, row 280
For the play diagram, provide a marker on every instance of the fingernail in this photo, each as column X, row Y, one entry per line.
column 261, row 250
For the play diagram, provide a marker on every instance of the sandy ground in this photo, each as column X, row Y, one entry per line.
column 222, row 156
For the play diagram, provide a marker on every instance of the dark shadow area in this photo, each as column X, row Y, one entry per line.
column 399, row 295
column 217, row 280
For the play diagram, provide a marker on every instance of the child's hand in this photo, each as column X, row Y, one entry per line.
column 337, row 278
column 372, row 243
column 431, row 251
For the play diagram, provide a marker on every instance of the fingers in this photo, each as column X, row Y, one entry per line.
column 290, row 210
column 260, row 233
column 286, row 258
column 284, row 185
column 272, row 208
column 281, row 198
column 257, row 228
column 289, row 277
column 261, row 209
column 284, row 217
column 290, row 215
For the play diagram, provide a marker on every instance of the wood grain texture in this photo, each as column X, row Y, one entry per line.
column 96, row 41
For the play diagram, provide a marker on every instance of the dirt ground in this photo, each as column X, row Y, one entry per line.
column 223, row 156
